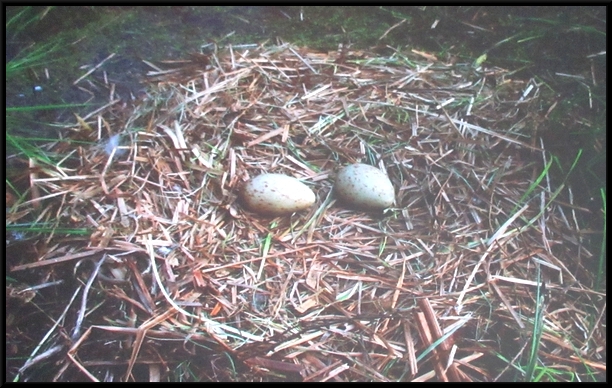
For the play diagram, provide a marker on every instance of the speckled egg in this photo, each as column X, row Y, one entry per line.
column 276, row 194
column 364, row 187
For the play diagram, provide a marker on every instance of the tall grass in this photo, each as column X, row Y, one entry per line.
column 19, row 128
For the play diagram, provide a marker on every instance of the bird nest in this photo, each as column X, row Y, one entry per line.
column 477, row 274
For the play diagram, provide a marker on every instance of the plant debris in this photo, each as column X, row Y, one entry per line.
column 177, row 282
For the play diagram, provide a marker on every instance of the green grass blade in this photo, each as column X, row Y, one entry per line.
column 533, row 185
column 538, row 326
column 43, row 107
column 601, row 266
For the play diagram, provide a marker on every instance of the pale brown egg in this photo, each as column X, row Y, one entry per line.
column 276, row 194
column 364, row 187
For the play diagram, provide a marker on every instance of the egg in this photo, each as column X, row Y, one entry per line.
column 276, row 194
column 364, row 187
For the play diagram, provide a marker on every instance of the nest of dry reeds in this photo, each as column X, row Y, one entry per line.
column 478, row 274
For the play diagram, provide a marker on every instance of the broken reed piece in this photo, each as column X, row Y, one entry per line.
column 430, row 332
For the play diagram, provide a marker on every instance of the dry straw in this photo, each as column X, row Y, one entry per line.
column 189, row 286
